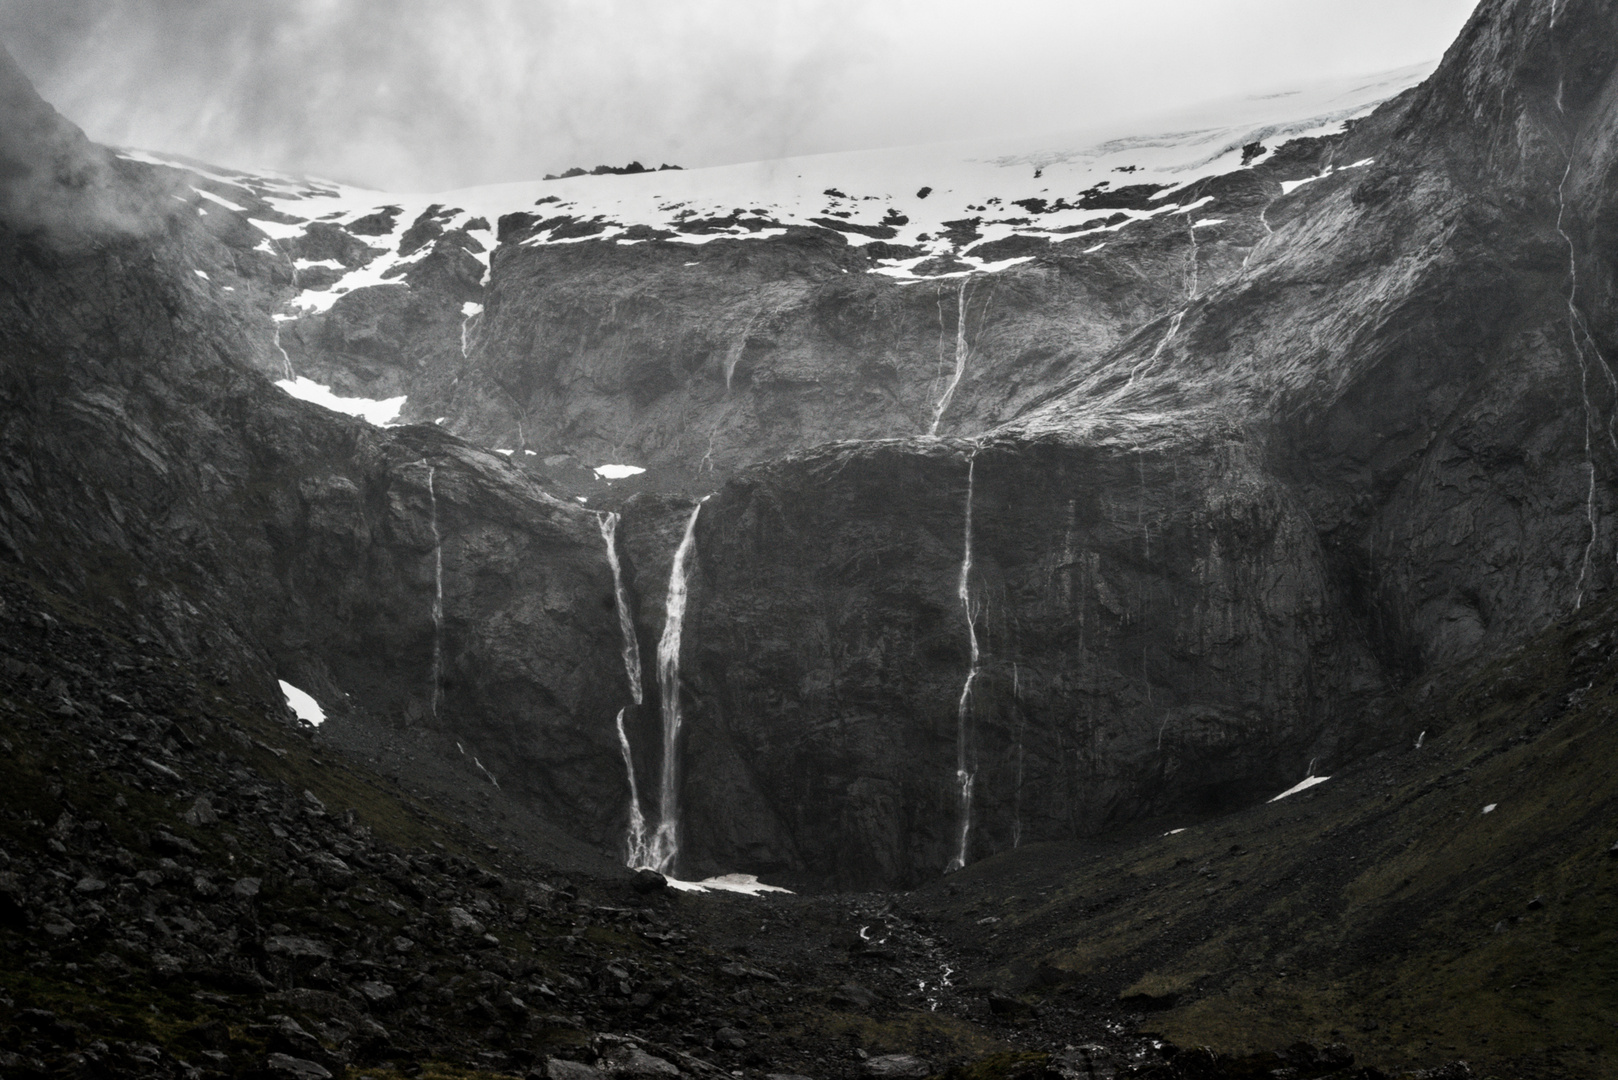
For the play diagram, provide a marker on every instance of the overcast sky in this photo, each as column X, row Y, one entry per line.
column 432, row 94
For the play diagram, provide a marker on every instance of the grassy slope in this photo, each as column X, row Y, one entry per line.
column 1382, row 908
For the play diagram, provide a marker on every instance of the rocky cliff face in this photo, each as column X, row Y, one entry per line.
column 150, row 471
column 1378, row 449
column 1233, row 459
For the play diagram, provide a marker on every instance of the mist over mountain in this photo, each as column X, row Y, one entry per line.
column 417, row 96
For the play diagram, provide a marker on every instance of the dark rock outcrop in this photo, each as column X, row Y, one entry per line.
column 145, row 466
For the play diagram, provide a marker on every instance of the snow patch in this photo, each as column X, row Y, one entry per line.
column 747, row 884
column 211, row 197
column 1303, row 785
column 302, row 703
column 380, row 413
column 617, row 472
column 1490, row 808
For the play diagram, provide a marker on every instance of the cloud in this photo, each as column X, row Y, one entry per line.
column 424, row 94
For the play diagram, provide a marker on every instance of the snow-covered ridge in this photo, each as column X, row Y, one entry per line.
column 933, row 207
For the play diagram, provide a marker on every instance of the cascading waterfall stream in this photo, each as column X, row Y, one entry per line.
column 1174, row 328
column 1016, row 802
column 1264, row 220
column 1194, row 259
column 626, row 622
column 637, row 845
column 286, row 360
column 469, row 311
column 638, row 848
column 665, row 846
column 1574, row 325
column 960, row 360
column 438, row 587
column 965, row 776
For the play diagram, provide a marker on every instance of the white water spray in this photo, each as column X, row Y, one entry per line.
column 1264, row 220
column 965, row 776
column 469, row 311
column 286, row 361
column 960, row 360
column 638, row 851
column 665, row 848
column 438, row 587
column 630, row 647
column 1174, row 328
column 1194, row 259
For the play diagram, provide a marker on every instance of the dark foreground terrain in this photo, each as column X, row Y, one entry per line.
column 197, row 886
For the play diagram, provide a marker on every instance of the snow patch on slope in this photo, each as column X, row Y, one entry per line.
column 940, row 201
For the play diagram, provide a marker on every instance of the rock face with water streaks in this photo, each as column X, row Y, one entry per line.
column 1379, row 452
column 1157, row 634
column 148, row 470
column 1295, row 438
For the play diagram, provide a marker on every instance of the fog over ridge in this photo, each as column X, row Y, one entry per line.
column 412, row 94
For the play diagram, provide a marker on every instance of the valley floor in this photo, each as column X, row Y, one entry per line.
column 193, row 885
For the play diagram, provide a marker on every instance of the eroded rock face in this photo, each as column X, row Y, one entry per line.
column 1381, row 449
column 1233, row 482
column 147, row 468
column 1156, row 633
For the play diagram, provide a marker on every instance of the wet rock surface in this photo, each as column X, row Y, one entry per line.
column 1330, row 493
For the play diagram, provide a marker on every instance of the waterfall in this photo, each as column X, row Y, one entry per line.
column 1016, row 802
column 1194, row 258
column 438, row 588
column 1174, row 328
column 638, row 851
column 1584, row 369
column 733, row 355
column 665, row 847
column 626, row 621
column 964, row 776
column 469, row 311
column 286, row 360
column 960, row 360
column 1264, row 220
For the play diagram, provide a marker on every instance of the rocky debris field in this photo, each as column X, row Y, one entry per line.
column 191, row 888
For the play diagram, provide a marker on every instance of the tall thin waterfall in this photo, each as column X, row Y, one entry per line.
column 1575, row 322
column 286, row 361
column 438, row 588
column 961, row 351
column 1016, row 802
column 638, row 846
column 666, row 843
column 965, row 776
column 1193, row 259
column 626, row 621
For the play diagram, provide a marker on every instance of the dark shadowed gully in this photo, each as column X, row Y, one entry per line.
column 1177, row 644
